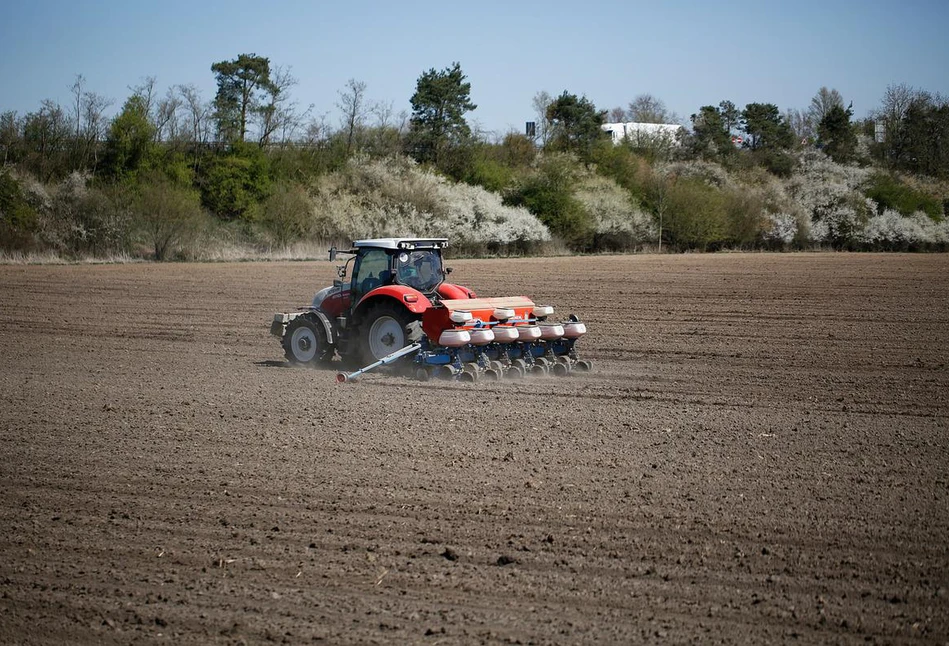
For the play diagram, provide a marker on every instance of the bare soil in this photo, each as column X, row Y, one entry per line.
column 761, row 455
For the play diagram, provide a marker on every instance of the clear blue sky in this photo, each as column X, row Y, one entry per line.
column 689, row 53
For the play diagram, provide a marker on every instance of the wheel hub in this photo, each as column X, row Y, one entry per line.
column 385, row 336
column 303, row 344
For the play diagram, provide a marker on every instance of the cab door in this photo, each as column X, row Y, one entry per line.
column 371, row 270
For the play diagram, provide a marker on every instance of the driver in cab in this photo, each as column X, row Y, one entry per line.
column 419, row 275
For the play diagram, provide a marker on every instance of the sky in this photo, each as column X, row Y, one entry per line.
column 689, row 53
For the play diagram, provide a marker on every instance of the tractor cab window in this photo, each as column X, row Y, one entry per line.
column 420, row 269
column 372, row 270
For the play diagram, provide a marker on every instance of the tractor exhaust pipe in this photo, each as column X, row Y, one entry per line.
column 343, row 377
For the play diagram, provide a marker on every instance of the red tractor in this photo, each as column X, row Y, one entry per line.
column 378, row 310
column 397, row 302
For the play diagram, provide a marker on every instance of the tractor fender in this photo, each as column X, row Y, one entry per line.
column 416, row 303
column 326, row 324
column 450, row 291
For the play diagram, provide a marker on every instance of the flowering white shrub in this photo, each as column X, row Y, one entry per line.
column 862, row 151
column 76, row 218
column 709, row 172
column 60, row 222
column 890, row 227
column 474, row 214
column 36, row 193
column 613, row 211
column 391, row 220
column 938, row 232
column 829, row 193
column 784, row 228
column 818, row 167
column 836, row 226
column 394, row 197
column 892, row 230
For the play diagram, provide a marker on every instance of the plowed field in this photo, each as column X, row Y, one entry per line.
column 761, row 455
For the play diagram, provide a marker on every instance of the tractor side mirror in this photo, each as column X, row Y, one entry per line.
column 448, row 270
column 341, row 269
column 332, row 254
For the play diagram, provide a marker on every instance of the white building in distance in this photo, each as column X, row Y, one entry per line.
column 644, row 135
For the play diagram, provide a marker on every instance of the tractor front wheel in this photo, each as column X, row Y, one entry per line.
column 305, row 343
column 386, row 328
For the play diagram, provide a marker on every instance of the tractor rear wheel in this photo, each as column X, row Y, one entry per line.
column 386, row 328
column 304, row 342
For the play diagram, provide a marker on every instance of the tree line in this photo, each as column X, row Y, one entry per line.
column 175, row 153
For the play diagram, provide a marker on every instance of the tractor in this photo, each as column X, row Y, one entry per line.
column 392, row 300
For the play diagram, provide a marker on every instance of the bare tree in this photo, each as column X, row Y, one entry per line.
column 384, row 138
column 197, row 113
column 45, row 136
column 317, row 131
column 88, row 125
column 897, row 100
column 617, row 115
column 646, row 108
column 78, row 149
column 162, row 112
column 541, row 102
column 10, row 138
column 278, row 114
column 95, row 124
column 822, row 103
column 352, row 103
column 801, row 124
column 146, row 90
column 897, row 106
column 165, row 119
column 659, row 185
column 292, row 121
column 77, row 91
column 403, row 120
column 383, row 111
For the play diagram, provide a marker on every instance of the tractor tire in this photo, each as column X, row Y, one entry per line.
column 386, row 328
column 304, row 342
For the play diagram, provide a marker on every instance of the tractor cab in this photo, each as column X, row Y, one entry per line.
column 399, row 263
column 410, row 262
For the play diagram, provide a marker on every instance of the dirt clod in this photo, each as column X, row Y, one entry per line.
column 450, row 554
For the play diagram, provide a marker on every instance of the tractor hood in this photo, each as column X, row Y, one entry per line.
column 323, row 294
